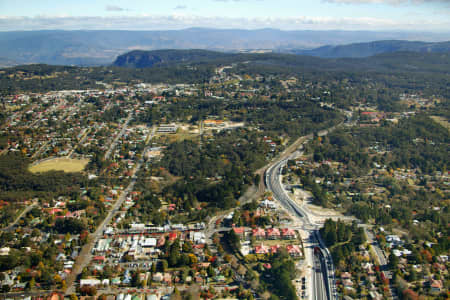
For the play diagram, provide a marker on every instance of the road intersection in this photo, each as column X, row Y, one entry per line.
column 322, row 286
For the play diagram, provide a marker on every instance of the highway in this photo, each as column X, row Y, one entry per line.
column 318, row 279
column 323, row 283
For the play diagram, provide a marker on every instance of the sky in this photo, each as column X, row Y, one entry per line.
column 386, row 15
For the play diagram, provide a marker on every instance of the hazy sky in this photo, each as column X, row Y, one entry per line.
column 420, row 15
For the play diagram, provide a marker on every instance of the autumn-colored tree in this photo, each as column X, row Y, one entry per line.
column 427, row 255
column 57, row 278
column 73, row 297
column 88, row 290
column 409, row 294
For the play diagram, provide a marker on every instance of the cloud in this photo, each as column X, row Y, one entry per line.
column 392, row 2
column 114, row 8
column 156, row 22
column 229, row 0
column 180, row 7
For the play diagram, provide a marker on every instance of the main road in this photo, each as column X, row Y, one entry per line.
column 318, row 279
column 118, row 136
column 85, row 256
column 382, row 260
column 323, row 280
column 11, row 226
column 323, row 284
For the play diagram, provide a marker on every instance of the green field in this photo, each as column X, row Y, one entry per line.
column 442, row 121
column 60, row 164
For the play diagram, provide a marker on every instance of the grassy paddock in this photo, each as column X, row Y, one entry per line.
column 60, row 164
column 442, row 121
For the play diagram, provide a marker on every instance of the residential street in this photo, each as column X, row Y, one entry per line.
column 86, row 253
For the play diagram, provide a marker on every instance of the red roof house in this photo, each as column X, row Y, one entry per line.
column 436, row 286
column 274, row 249
column 239, row 231
column 273, row 233
column 288, row 233
column 294, row 250
column 259, row 233
column 172, row 236
column 261, row 249
column 54, row 211
column 99, row 258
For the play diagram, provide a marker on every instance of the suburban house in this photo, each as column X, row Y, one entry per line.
column 261, row 249
column 436, row 286
column 273, row 233
column 288, row 233
column 240, row 231
column 259, row 233
column 294, row 250
column 274, row 249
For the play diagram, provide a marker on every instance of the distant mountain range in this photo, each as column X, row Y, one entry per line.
column 5, row 62
column 373, row 48
column 102, row 47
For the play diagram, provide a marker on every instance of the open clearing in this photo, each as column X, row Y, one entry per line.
column 60, row 164
column 177, row 137
column 442, row 121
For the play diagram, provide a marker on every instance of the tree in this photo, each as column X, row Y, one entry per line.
column 281, row 275
column 174, row 253
column 88, row 290
column 6, row 288
column 73, row 226
column 164, row 265
column 359, row 237
column 393, row 261
column 32, row 283
column 233, row 240
column 331, row 237
column 409, row 294
column 257, row 179
column 187, row 246
column 176, row 295
column 73, row 297
column 412, row 275
column 211, row 272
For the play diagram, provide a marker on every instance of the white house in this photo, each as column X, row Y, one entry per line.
column 90, row 282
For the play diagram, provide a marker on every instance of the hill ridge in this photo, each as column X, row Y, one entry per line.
column 375, row 47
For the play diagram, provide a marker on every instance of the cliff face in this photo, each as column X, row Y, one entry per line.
column 145, row 59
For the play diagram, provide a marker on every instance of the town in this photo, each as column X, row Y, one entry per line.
column 163, row 191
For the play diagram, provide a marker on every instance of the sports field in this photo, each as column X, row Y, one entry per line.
column 60, row 164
